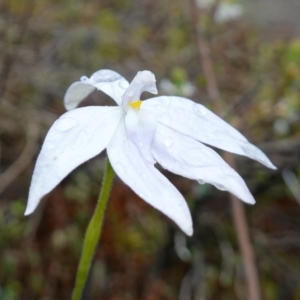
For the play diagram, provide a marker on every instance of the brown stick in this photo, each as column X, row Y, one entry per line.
column 238, row 210
column 241, row 227
column 204, row 56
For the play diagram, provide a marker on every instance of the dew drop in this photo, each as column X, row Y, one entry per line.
column 84, row 79
column 168, row 142
column 220, row 187
column 65, row 124
column 191, row 119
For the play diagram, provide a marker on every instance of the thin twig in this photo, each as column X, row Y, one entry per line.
column 204, row 55
column 32, row 134
column 242, row 229
column 238, row 210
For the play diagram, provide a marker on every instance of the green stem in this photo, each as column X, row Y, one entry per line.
column 93, row 233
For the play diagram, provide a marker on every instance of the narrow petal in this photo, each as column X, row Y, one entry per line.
column 184, row 156
column 199, row 123
column 144, row 81
column 146, row 181
column 140, row 129
column 108, row 81
column 74, row 138
column 76, row 93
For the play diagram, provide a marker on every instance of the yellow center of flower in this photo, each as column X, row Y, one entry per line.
column 135, row 104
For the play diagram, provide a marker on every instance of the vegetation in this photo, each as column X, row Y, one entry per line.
column 44, row 47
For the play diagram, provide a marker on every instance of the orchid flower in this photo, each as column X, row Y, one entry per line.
column 168, row 130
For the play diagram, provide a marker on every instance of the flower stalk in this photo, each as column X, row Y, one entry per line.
column 93, row 233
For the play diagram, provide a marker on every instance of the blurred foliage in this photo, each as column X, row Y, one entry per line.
column 44, row 47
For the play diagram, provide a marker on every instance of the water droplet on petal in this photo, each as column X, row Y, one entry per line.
column 220, row 187
column 200, row 110
column 191, row 119
column 65, row 124
column 84, row 79
column 168, row 142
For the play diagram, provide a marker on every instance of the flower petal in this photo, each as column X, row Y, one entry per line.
column 144, row 81
column 108, row 81
column 74, row 138
column 182, row 155
column 146, row 181
column 198, row 122
column 140, row 129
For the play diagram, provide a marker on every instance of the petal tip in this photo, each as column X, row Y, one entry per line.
column 189, row 231
column 250, row 201
column 271, row 166
column 76, row 93
column 69, row 106
column 28, row 211
column 147, row 77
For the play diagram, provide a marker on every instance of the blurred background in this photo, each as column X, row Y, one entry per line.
column 46, row 45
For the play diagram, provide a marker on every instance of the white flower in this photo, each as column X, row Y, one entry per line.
column 228, row 11
column 205, row 3
column 137, row 134
column 185, row 89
